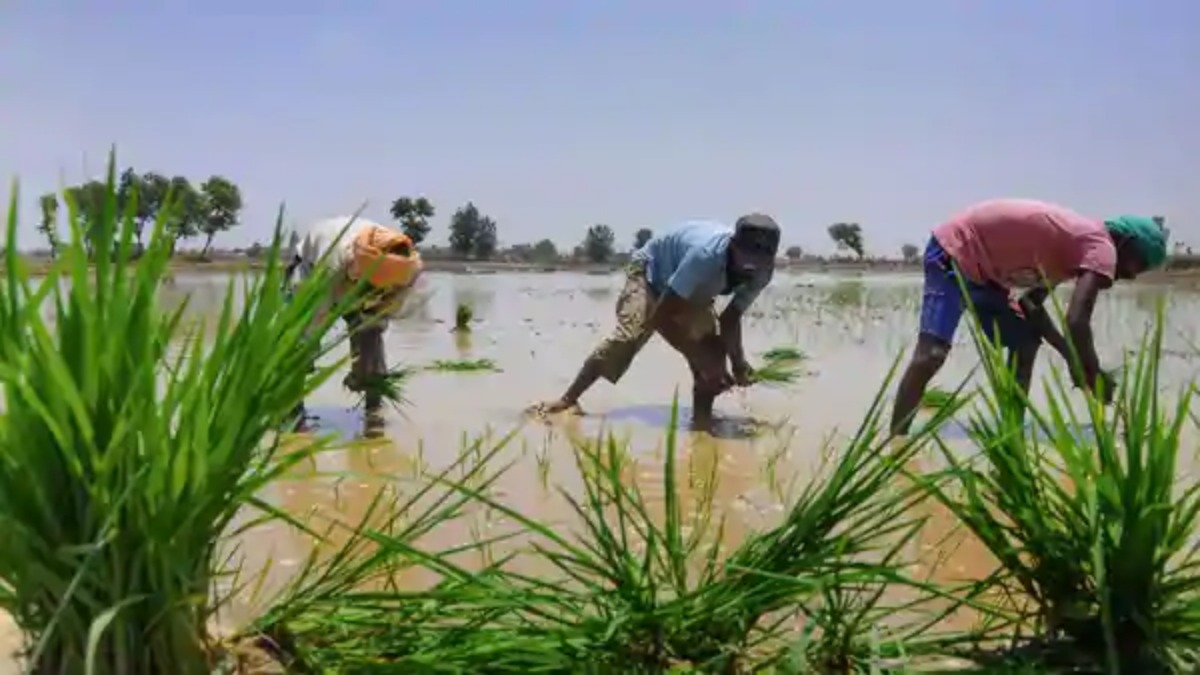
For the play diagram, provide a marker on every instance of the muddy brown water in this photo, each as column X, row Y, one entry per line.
column 539, row 327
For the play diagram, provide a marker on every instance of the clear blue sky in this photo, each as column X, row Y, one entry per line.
column 555, row 115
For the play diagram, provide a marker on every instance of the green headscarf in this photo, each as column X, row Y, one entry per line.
column 1146, row 234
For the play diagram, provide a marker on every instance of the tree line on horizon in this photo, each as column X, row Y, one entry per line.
column 474, row 236
column 214, row 206
column 203, row 210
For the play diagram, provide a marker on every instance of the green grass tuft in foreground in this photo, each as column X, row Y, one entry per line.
column 122, row 465
column 1093, row 528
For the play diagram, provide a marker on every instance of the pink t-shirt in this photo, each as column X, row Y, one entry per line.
column 1007, row 241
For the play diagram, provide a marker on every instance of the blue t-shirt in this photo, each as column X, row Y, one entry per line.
column 691, row 259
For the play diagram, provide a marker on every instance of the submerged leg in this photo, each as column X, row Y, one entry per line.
column 367, row 356
column 702, row 409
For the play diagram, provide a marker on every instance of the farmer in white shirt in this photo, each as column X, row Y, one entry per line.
column 365, row 248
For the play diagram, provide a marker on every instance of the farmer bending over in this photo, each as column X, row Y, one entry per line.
column 393, row 265
column 1006, row 244
column 671, row 283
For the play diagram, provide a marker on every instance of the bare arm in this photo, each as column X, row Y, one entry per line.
column 1033, row 303
column 1079, row 322
column 730, row 326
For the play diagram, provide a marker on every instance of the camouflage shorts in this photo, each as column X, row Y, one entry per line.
column 634, row 305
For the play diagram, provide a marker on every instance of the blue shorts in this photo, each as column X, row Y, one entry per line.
column 942, row 304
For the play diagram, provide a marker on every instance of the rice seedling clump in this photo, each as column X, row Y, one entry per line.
column 780, row 367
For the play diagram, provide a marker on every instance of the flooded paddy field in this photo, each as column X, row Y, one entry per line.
column 770, row 442
column 538, row 328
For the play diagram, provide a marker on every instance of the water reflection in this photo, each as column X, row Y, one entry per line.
column 659, row 416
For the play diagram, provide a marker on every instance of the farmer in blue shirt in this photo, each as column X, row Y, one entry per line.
column 670, row 288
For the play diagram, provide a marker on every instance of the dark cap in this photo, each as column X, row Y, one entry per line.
column 757, row 233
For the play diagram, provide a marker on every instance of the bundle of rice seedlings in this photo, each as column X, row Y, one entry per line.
column 387, row 388
column 778, row 373
column 464, row 366
column 781, row 366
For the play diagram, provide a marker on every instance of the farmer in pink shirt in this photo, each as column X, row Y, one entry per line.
column 1005, row 244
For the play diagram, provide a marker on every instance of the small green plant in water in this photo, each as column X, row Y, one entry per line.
column 784, row 354
column 463, row 315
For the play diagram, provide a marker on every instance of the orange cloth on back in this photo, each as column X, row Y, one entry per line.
column 372, row 254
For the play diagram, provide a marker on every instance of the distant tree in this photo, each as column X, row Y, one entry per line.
column 544, row 252
column 464, row 229
column 794, row 253
column 128, row 185
column 643, row 235
column 413, row 215
column 86, row 203
column 847, row 236
column 909, row 252
column 183, row 209
column 599, row 243
column 218, row 208
column 255, row 251
column 485, row 243
column 49, row 223
column 152, row 192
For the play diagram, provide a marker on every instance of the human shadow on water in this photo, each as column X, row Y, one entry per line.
column 346, row 423
column 659, row 416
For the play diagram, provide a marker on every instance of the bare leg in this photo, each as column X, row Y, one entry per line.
column 612, row 356
column 367, row 356
column 703, row 397
column 588, row 375
column 1023, row 360
column 927, row 359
